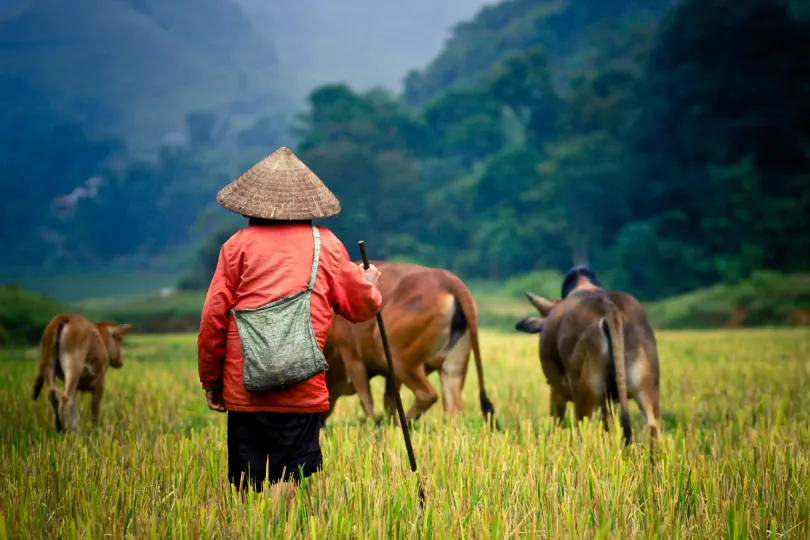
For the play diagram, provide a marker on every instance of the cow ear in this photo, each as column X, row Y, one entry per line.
column 531, row 325
column 123, row 329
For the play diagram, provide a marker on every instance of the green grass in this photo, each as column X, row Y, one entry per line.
column 24, row 315
column 122, row 294
column 766, row 298
column 102, row 285
column 733, row 463
column 159, row 314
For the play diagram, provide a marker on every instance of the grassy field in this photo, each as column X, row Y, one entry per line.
column 734, row 461
column 117, row 292
column 765, row 299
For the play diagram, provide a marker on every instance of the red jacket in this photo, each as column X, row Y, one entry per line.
column 260, row 264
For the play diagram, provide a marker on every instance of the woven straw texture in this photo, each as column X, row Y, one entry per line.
column 280, row 187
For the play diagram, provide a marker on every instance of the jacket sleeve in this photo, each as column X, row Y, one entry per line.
column 352, row 297
column 212, row 338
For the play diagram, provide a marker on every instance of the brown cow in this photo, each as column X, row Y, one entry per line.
column 78, row 352
column 597, row 346
column 431, row 322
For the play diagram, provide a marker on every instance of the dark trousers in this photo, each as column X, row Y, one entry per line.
column 287, row 440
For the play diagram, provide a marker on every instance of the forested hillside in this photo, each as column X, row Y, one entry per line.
column 667, row 144
column 132, row 68
column 677, row 155
column 121, row 119
column 79, row 200
column 562, row 28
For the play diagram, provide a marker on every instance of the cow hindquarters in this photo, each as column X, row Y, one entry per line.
column 49, row 359
column 586, row 374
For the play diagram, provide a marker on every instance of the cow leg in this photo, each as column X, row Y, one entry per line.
column 607, row 417
column 95, row 404
column 53, row 397
column 557, row 404
column 647, row 399
column 644, row 392
column 584, row 405
column 453, row 373
column 390, row 399
column 359, row 375
column 584, row 401
column 68, row 410
column 423, row 391
column 451, row 392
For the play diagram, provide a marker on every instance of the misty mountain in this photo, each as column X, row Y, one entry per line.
column 133, row 68
column 364, row 43
column 559, row 27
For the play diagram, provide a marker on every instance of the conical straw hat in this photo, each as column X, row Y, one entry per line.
column 279, row 187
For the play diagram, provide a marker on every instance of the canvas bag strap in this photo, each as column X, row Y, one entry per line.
column 315, row 258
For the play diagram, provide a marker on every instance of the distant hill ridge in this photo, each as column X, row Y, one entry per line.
column 558, row 26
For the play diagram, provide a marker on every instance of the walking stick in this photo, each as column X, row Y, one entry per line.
column 402, row 422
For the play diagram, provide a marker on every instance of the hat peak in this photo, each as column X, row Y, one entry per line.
column 280, row 186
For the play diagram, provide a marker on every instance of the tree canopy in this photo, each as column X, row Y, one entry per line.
column 675, row 156
column 668, row 148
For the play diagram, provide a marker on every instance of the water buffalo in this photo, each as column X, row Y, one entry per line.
column 78, row 352
column 431, row 322
column 597, row 346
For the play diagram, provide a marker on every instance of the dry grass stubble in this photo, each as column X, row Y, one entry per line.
column 734, row 460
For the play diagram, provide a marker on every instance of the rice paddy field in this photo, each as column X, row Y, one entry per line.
column 734, row 461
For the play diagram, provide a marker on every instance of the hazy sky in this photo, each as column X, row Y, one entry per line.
column 362, row 42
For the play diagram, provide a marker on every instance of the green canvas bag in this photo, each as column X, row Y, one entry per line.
column 278, row 343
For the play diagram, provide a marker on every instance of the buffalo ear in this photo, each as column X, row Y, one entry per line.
column 541, row 304
column 123, row 329
column 531, row 325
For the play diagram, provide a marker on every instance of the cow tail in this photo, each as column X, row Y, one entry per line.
column 468, row 308
column 48, row 354
column 614, row 332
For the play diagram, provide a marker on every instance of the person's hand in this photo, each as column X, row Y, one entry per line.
column 214, row 398
column 372, row 275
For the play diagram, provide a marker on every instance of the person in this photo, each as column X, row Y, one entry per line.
column 266, row 317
